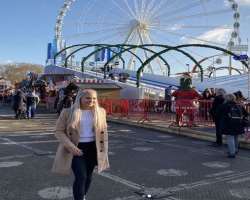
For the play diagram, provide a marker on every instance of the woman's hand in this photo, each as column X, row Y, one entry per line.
column 76, row 151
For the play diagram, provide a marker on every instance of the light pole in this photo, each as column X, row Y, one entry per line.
column 187, row 64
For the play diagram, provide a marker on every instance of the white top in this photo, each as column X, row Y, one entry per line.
column 86, row 126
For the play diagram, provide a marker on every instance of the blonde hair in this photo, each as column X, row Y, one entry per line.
column 75, row 111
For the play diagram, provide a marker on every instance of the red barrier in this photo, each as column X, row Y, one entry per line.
column 169, row 112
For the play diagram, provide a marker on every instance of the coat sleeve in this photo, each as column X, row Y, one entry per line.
column 61, row 130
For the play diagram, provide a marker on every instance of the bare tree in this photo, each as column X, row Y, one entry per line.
column 17, row 72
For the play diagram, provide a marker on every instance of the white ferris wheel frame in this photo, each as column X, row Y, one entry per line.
column 137, row 27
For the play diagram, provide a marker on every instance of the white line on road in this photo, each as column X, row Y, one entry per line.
column 29, row 142
column 15, row 156
column 35, row 150
column 122, row 181
column 20, row 134
column 219, row 174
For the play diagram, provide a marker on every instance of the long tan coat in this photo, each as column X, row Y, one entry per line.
column 70, row 137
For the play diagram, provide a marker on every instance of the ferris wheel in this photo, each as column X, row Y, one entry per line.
column 138, row 22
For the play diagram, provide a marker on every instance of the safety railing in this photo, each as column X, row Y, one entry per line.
column 185, row 112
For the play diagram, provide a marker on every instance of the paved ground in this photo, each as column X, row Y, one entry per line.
column 168, row 167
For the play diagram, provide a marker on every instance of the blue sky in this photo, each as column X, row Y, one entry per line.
column 26, row 28
column 28, row 25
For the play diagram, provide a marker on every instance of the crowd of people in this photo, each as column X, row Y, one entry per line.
column 24, row 103
column 230, row 118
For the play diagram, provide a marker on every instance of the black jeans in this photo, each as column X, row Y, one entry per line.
column 218, row 132
column 83, row 167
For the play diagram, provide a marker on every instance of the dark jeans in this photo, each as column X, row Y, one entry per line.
column 31, row 111
column 83, row 167
column 218, row 132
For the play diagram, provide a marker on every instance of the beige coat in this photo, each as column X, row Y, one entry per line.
column 69, row 138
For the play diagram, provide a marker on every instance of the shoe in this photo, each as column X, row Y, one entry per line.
column 231, row 155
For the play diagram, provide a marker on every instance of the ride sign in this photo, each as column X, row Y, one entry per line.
column 243, row 57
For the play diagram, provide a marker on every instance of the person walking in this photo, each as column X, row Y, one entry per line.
column 232, row 122
column 32, row 102
column 218, row 100
column 19, row 103
column 83, row 141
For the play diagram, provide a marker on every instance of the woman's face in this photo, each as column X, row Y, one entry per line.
column 89, row 100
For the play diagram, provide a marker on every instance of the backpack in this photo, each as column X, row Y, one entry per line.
column 235, row 115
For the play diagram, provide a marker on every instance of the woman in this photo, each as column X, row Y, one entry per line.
column 83, row 141
column 232, row 122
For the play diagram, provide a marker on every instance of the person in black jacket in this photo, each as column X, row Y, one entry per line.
column 218, row 100
column 19, row 103
column 232, row 122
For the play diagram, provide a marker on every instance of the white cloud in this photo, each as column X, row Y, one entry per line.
column 218, row 35
column 176, row 27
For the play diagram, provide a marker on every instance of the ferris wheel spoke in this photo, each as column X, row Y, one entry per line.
column 216, row 12
column 145, row 10
column 172, row 26
column 107, row 37
column 102, row 23
column 130, row 9
column 189, row 37
column 86, row 11
column 187, row 49
column 130, row 36
column 94, row 32
column 181, row 9
column 162, row 4
column 150, row 39
column 121, row 9
column 156, row 6
column 136, row 8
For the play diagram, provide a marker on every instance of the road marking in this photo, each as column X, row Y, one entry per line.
column 190, row 149
column 241, row 180
column 143, row 149
column 219, row 174
column 34, row 150
column 124, row 130
column 165, row 136
column 29, row 134
column 15, row 156
column 172, row 172
column 37, row 136
column 58, row 192
column 10, row 164
column 208, row 152
column 121, row 180
column 205, row 182
column 29, row 142
column 216, row 164
column 241, row 193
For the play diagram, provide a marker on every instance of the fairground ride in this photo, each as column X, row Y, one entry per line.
column 138, row 22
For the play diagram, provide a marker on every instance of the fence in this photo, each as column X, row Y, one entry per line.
column 185, row 112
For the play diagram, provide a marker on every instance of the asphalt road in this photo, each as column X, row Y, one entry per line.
column 143, row 162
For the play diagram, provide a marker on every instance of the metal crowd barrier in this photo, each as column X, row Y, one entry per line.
column 190, row 113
